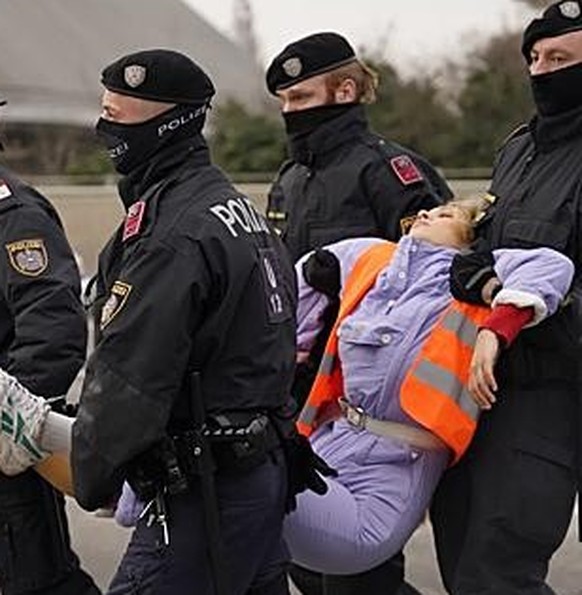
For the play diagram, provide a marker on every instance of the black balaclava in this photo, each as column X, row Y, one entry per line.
column 163, row 76
column 131, row 145
column 558, row 91
column 303, row 122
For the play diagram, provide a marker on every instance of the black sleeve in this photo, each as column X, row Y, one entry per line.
column 393, row 202
column 40, row 280
column 138, row 368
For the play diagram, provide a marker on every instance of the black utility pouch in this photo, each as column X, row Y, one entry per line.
column 240, row 441
column 157, row 470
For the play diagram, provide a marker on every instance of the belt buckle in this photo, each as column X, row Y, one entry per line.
column 355, row 416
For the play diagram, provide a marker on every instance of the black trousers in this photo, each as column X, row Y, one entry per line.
column 35, row 550
column 251, row 506
column 384, row 579
column 500, row 514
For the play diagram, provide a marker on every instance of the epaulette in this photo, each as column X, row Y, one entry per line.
column 398, row 159
column 515, row 133
column 377, row 143
column 287, row 164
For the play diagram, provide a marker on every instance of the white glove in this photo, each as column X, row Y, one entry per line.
column 22, row 419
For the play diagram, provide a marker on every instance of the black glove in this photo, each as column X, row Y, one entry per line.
column 322, row 271
column 469, row 274
column 304, row 469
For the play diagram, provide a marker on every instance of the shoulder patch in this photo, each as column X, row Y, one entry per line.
column 133, row 220
column 28, row 257
column 5, row 191
column 115, row 302
column 405, row 170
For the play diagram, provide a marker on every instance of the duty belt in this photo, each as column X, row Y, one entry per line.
column 415, row 437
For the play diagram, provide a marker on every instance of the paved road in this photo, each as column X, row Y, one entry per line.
column 100, row 544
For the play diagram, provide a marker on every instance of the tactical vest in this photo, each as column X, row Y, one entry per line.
column 434, row 392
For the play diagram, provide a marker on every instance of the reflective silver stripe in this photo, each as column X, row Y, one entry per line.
column 308, row 414
column 465, row 329
column 447, row 383
column 326, row 365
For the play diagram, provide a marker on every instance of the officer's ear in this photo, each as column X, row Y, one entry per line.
column 346, row 91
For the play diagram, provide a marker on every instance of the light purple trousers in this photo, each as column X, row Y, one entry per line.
column 370, row 510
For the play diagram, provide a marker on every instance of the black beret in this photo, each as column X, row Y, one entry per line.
column 559, row 18
column 307, row 57
column 159, row 75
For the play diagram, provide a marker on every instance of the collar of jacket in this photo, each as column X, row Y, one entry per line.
column 329, row 136
column 550, row 131
column 192, row 150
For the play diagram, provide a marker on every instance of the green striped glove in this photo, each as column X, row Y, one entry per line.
column 22, row 416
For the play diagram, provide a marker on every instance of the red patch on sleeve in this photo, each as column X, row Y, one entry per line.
column 133, row 220
column 405, row 170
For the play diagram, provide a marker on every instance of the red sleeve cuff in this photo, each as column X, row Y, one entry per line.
column 506, row 320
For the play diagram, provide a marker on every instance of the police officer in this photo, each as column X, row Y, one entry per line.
column 341, row 181
column 42, row 343
column 196, row 350
column 502, row 512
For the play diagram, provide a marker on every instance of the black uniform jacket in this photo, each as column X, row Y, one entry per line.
column 42, row 343
column 537, row 194
column 42, row 322
column 204, row 284
column 344, row 182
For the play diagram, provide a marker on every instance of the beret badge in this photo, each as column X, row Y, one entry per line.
column 570, row 10
column 134, row 75
column 292, row 67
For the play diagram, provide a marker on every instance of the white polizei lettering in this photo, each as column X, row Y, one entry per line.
column 264, row 225
column 242, row 216
column 259, row 223
column 252, row 216
column 176, row 123
column 226, row 216
column 118, row 150
column 239, row 212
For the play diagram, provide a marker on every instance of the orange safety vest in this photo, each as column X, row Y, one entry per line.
column 434, row 392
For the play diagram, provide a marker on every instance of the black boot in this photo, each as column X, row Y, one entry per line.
column 307, row 581
column 385, row 579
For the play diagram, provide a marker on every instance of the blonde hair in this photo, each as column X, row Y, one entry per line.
column 365, row 78
column 472, row 208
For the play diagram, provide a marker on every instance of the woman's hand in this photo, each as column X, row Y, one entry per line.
column 482, row 383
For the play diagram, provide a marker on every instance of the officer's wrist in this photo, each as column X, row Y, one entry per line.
column 490, row 290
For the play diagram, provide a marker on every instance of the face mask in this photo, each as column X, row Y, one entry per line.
column 558, row 91
column 303, row 122
column 130, row 145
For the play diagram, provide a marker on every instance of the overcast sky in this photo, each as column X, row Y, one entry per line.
column 409, row 32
